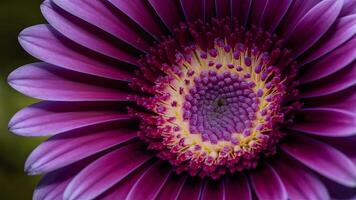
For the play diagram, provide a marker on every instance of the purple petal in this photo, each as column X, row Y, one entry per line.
column 41, row 80
column 168, row 11
column 50, row 118
column 122, row 189
column 222, row 8
column 343, row 29
column 67, row 148
column 172, row 188
column 192, row 189
column 313, row 25
column 209, row 9
column 330, row 63
column 336, row 82
column 267, row 184
column 325, row 122
column 82, row 34
column 337, row 191
column 237, row 187
column 343, row 100
column 256, row 12
column 274, row 13
column 139, row 11
column 107, row 171
column 193, row 10
column 241, row 10
column 44, row 43
column 349, row 8
column 213, row 190
column 299, row 183
column 295, row 12
column 99, row 14
column 53, row 184
column 322, row 158
column 151, row 182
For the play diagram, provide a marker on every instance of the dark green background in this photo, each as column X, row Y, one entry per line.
column 15, row 15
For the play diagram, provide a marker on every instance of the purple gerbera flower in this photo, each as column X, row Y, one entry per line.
column 192, row 99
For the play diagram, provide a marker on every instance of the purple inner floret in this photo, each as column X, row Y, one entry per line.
column 220, row 105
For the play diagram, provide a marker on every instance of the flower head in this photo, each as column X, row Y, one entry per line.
column 182, row 99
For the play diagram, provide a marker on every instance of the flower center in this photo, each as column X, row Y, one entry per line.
column 216, row 102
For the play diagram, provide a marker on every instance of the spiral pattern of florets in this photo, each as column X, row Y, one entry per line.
column 221, row 94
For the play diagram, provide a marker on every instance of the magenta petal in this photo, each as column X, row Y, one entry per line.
column 241, row 10
column 168, row 11
column 313, row 25
column 299, row 183
column 256, row 12
column 41, row 80
column 107, row 171
column 50, row 118
column 192, row 189
column 330, row 63
column 67, row 148
column 336, row 82
column 274, row 13
column 151, row 182
column 322, row 158
column 213, row 190
column 237, row 187
column 267, row 184
column 53, row 184
column 172, row 188
column 193, row 10
column 222, row 8
column 139, row 11
column 325, row 122
column 343, row 29
column 44, row 43
column 349, row 8
column 100, row 15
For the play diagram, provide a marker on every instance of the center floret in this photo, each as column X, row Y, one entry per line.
column 216, row 103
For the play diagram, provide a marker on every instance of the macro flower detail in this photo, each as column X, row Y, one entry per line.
column 181, row 99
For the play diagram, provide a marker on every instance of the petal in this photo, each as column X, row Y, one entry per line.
column 101, row 15
column 44, row 43
column 82, row 33
column 67, row 148
column 343, row 29
column 343, row 100
column 122, row 189
column 336, row 82
column 237, row 187
column 107, row 171
column 274, row 13
column 193, row 10
column 151, row 182
column 330, row 63
column 172, row 188
column 50, row 118
column 337, row 191
column 349, row 8
column 139, row 11
column 241, row 10
column 267, row 184
column 213, row 190
column 325, row 122
column 168, row 11
column 42, row 81
column 53, row 184
column 256, row 12
column 222, row 8
column 322, row 158
column 295, row 12
column 299, row 183
column 192, row 189
column 313, row 25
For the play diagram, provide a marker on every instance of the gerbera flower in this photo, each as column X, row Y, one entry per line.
column 203, row 99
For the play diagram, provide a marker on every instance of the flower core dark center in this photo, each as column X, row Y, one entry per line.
column 217, row 96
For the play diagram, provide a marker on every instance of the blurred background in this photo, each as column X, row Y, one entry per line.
column 15, row 15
